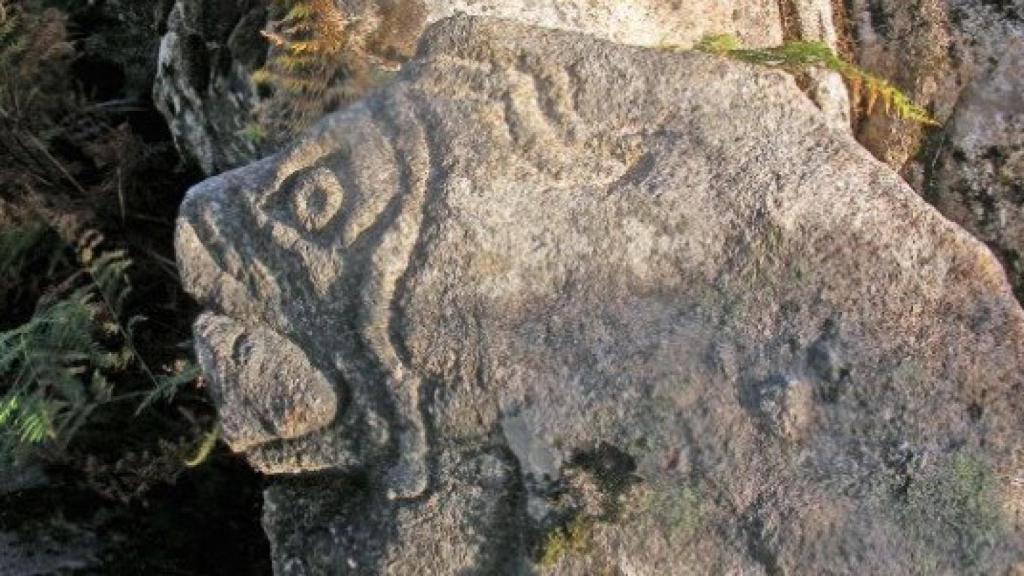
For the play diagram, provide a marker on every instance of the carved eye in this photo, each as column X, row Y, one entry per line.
column 315, row 197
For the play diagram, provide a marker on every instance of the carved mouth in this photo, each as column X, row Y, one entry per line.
column 263, row 384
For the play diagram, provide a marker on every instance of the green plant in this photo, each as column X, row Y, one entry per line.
column 65, row 327
column 46, row 360
column 798, row 56
column 205, row 448
column 56, row 366
column 253, row 133
column 573, row 538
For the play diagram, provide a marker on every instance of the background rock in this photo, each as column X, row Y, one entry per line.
column 641, row 23
column 203, row 80
column 117, row 55
column 961, row 58
column 745, row 344
column 68, row 548
column 978, row 174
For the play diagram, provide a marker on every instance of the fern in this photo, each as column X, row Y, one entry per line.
column 166, row 387
column 28, row 253
column 308, row 65
column 17, row 245
column 68, row 330
column 798, row 56
column 54, row 368
column 324, row 55
column 47, row 362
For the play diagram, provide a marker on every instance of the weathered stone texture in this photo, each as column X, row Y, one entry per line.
column 620, row 310
column 203, row 80
column 977, row 178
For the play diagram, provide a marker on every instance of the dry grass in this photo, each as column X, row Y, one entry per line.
column 315, row 66
column 323, row 58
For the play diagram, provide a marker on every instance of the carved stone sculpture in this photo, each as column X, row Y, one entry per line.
column 549, row 303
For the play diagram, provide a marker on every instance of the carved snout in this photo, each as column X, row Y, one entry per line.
column 264, row 386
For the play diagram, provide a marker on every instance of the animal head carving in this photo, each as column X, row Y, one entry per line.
column 306, row 254
column 284, row 253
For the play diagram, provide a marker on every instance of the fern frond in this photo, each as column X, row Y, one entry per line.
column 798, row 56
column 44, row 362
column 253, row 132
column 168, row 386
column 109, row 272
column 311, row 49
column 719, row 43
column 295, row 64
column 275, row 39
column 33, row 422
column 299, row 12
column 52, row 367
column 8, row 408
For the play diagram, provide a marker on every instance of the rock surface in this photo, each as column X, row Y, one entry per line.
column 212, row 48
column 978, row 176
column 962, row 58
column 636, row 22
column 203, row 86
column 73, row 551
column 602, row 309
column 264, row 383
column 117, row 42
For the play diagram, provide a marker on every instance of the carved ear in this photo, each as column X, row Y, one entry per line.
column 263, row 384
